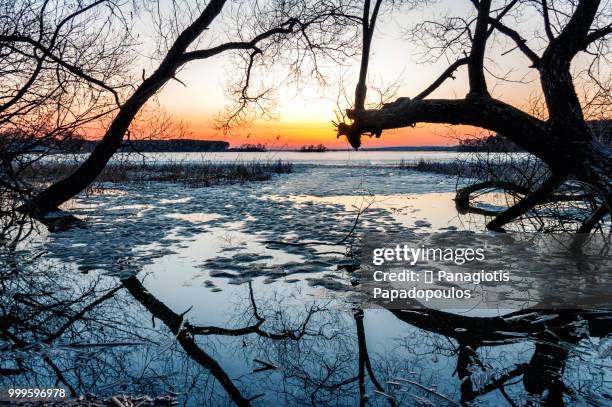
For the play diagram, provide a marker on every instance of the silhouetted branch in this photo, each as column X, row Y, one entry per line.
column 478, row 83
column 520, row 42
column 524, row 205
column 448, row 73
column 175, row 323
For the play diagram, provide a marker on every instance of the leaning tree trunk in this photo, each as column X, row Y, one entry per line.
column 177, row 56
column 88, row 171
column 564, row 141
column 63, row 190
column 578, row 154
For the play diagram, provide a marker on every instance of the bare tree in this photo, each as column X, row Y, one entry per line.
column 68, row 59
column 63, row 65
column 561, row 139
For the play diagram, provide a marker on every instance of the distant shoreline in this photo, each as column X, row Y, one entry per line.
column 208, row 146
column 399, row 148
column 218, row 146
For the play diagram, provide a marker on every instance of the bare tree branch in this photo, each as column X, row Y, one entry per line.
column 478, row 83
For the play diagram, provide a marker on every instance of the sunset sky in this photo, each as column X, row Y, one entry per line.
column 305, row 115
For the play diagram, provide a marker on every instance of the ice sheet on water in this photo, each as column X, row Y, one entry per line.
column 141, row 223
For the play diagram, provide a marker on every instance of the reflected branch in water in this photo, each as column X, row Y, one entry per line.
column 58, row 331
column 285, row 333
column 555, row 333
column 365, row 364
column 185, row 333
column 174, row 322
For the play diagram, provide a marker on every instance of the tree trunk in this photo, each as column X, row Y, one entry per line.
column 56, row 194
column 564, row 141
column 88, row 171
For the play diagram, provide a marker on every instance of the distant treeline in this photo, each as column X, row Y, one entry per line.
column 602, row 130
column 250, row 148
column 495, row 143
column 76, row 144
column 319, row 148
column 179, row 145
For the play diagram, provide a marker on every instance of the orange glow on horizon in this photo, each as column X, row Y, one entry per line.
column 291, row 135
column 306, row 107
column 280, row 135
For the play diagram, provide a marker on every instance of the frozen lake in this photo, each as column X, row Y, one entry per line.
column 174, row 289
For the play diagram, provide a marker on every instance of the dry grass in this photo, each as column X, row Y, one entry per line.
column 522, row 170
column 197, row 174
column 457, row 167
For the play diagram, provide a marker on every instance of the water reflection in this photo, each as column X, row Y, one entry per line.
column 104, row 336
column 178, row 299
